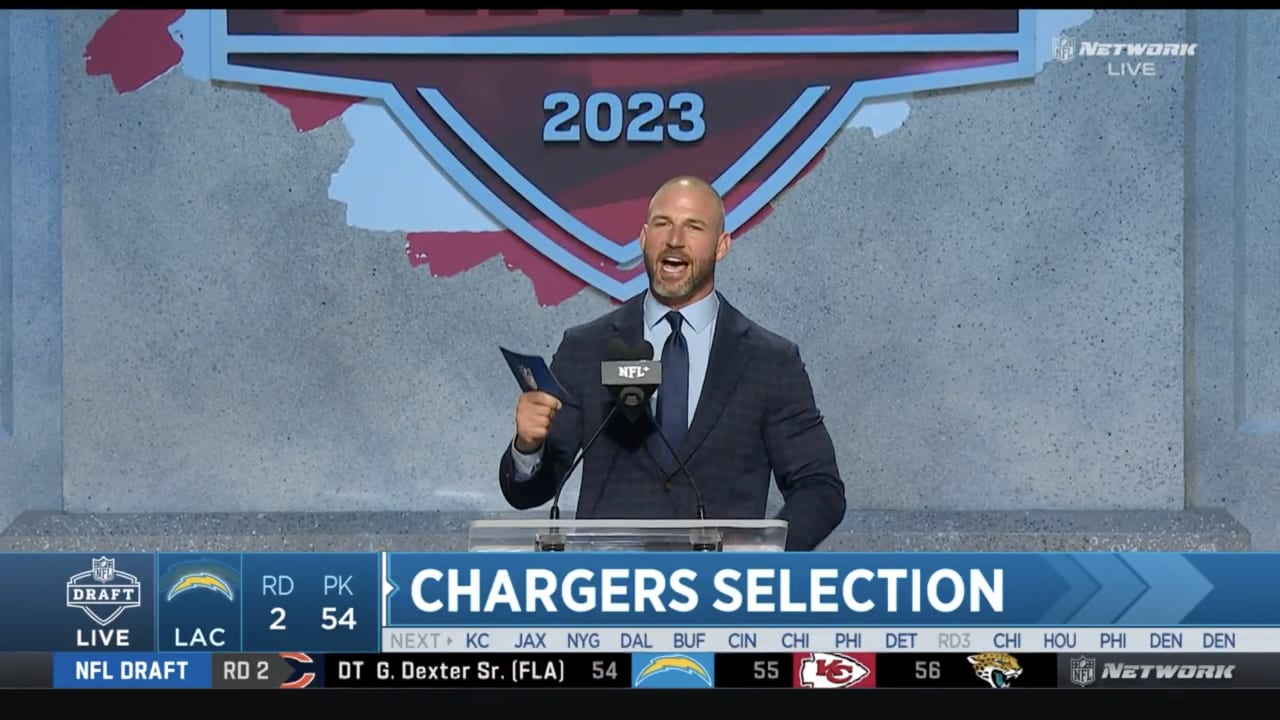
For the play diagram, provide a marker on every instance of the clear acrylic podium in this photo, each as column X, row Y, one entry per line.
column 627, row 535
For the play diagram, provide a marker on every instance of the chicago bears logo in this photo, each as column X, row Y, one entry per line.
column 561, row 123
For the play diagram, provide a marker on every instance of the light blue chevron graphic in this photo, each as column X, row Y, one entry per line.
column 1175, row 588
column 1118, row 587
column 225, row 46
column 1080, row 587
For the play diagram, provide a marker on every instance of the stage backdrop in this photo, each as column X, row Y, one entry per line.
column 262, row 261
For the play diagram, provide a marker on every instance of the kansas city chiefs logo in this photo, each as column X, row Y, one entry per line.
column 561, row 123
column 822, row 670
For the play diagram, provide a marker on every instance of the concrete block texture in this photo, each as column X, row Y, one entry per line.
column 31, row 309
column 1233, row 306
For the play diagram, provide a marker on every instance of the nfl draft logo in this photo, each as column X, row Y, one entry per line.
column 561, row 123
column 103, row 592
column 1084, row 671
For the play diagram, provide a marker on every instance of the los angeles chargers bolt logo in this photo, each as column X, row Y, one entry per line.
column 192, row 578
column 674, row 671
column 198, row 580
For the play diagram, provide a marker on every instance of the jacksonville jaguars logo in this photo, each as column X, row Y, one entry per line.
column 997, row 669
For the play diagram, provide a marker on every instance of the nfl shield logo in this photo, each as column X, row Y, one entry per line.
column 1064, row 48
column 561, row 123
column 104, row 569
column 1083, row 671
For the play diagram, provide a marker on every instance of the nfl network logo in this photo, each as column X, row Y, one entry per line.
column 1084, row 671
column 1064, row 48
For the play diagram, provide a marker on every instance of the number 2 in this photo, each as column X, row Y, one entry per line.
column 278, row 623
column 552, row 130
column 646, row 109
column 652, row 110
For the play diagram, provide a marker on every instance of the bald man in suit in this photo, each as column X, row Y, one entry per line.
column 735, row 401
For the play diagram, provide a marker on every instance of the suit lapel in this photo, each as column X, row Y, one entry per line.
column 724, row 369
column 628, row 322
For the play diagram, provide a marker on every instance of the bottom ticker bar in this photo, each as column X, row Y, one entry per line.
column 973, row 671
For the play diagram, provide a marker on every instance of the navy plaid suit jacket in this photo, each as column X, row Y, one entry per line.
column 756, row 416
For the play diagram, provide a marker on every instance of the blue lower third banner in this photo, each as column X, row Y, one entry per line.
column 132, row 670
column 832, row 589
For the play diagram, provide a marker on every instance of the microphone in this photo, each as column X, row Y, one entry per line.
column 618, row 350
column 632, row 376
column 639, row 378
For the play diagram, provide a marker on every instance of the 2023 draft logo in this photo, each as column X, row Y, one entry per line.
column 560, row 124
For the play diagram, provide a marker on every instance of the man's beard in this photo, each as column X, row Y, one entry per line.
column 698, row 273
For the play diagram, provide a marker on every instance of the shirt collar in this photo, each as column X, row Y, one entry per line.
column 697, row 317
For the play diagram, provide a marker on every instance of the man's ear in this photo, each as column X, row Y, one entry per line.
column 722, row 246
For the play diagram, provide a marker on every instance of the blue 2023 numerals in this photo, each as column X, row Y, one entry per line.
column 607, row 117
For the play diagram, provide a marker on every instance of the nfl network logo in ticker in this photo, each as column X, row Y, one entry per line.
column 1084, row 671
column 673, row 671
column 103, row 592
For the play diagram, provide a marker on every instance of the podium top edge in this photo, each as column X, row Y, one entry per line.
column 637, row 524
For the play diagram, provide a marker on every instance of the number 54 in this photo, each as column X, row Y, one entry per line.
column 330, row 620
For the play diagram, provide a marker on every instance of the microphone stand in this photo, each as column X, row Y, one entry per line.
column 555, row 502
column 702, row 510
column 696, row 544
column 558, row 544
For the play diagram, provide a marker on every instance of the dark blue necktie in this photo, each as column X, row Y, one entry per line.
column 673, row 396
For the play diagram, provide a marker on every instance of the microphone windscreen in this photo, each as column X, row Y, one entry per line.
column 616, row 349
column 644, row 351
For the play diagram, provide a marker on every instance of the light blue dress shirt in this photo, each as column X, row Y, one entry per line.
column 698, row 328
